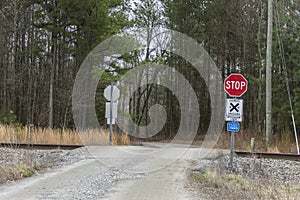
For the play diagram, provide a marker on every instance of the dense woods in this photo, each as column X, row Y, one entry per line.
column 43, row 43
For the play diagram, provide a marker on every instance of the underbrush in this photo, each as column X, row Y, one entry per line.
column 17, row 171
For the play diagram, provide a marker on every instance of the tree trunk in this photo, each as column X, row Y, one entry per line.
column 53, row 67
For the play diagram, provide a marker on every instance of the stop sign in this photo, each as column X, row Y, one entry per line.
column 235, row 85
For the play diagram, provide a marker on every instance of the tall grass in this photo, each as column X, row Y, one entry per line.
column 33, row 135
column 284, row 143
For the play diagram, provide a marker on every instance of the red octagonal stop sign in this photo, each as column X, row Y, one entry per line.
column 235, row 85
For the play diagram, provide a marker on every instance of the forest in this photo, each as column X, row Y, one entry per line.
column 44, row 42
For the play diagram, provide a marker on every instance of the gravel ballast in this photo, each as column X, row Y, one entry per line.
column 19, row 163
column 283, row 172
column 251, row 178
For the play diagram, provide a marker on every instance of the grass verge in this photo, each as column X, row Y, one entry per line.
column 232, row 186
column 21, row 163
column 17, row 171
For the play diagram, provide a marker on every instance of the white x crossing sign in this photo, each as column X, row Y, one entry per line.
column 234, row 110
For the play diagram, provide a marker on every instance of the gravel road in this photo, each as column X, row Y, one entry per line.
column 128, row 172
column 147, row 172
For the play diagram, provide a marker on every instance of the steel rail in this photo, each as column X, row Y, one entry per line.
column 41, row 146
column 277, row 156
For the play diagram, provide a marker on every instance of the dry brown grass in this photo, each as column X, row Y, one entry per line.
column 273, row 149
column 284, row 144
column 25, row 164
column 12, row 134
column 233, row 186
column 16, row 171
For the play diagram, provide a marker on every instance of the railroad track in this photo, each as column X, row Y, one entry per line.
column 40, row 146
column 278, row 156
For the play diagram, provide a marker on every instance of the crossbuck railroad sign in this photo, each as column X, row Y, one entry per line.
column 234, row 110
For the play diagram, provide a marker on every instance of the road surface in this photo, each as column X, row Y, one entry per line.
column 126, row 173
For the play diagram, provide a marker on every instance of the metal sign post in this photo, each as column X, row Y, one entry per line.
column 110, row 115
column 111, row 93
column 235, row 85
column 231, row 152
column 232, row 127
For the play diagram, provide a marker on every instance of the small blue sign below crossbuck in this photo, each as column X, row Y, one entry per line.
column 233, row 126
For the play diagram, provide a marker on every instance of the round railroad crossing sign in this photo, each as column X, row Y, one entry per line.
column 111, row 93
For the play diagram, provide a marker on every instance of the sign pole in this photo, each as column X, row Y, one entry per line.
column 231, row 151
column 235, row 85
column 111, row 93
column 110, row 117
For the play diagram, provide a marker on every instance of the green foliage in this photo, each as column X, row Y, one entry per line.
column 232, row 32
column 8, row 117
column 148, row 13
column 25, row 171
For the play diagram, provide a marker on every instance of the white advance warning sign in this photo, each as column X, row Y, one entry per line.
column 234, row 110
